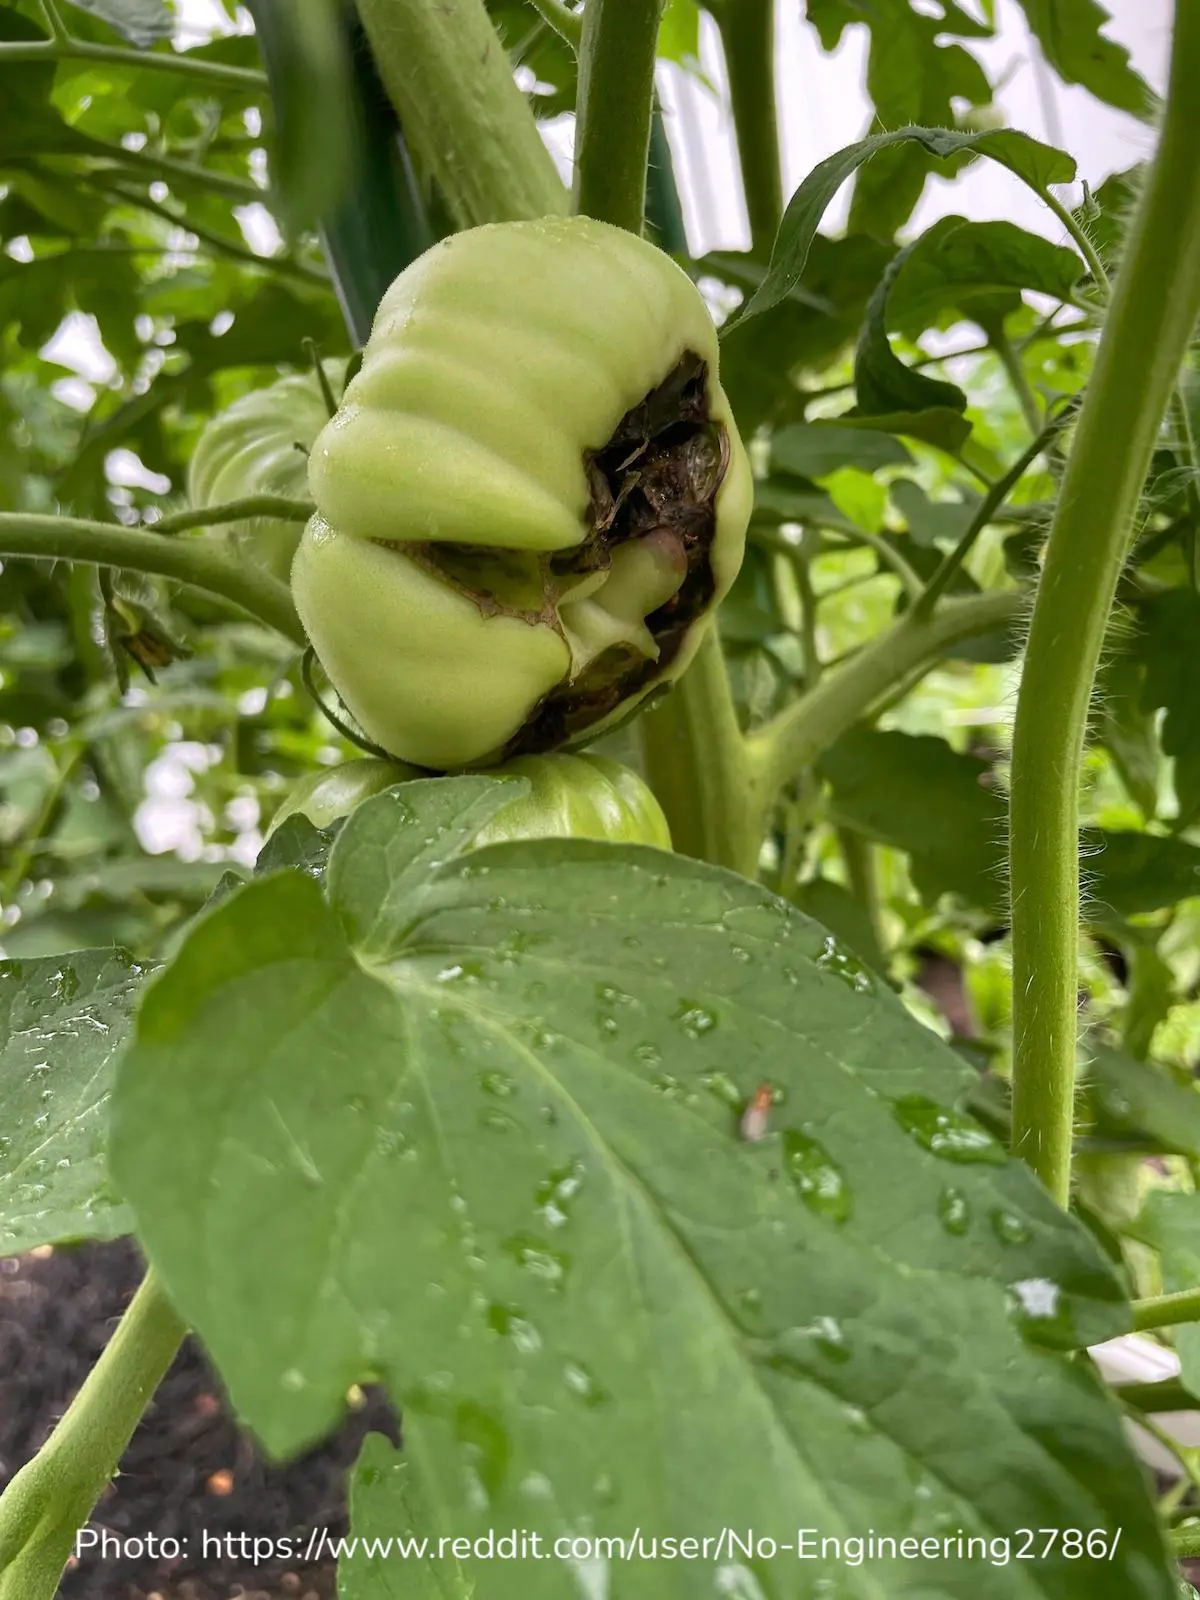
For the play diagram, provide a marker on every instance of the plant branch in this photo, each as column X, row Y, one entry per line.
column 566, row 23
column 695, row 760
column 164, row 167
column 118, row 194
column 1165, row 1310
column 206, row 74
column 616, row 103
column 747, row 29
column 52, row 1496
column 1166, row 1395
column 1082, row 243
column 1185, row 1541
column 1154, row 309
column 450, row 80
column 989, row 508
column 54, row 20
column 1011, row 362
column 255, row 505
column 201, row 563
column 807, row 728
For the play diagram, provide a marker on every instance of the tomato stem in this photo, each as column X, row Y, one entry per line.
column 747, row 29
column 52, row 1496
column 695, row 758
column 804, row 730
column 450, row 79
column 199, row 562
column 615, row 105
column 1154, row 308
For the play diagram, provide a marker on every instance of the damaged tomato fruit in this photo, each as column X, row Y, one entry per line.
column 531, row 499
column 568, row 797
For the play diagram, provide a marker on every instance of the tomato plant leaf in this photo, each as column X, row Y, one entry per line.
column 488, row 1137
column 142, row 22
column 1069, row 34
column 1170, row 1224
column 815, row 449
column 1036, row 164
column 387, row 1504
column 916, row 74
column 917, row 794
column 883, row 384
column 977, row 270
column 63, row 1021
column 1166, row 645
column 1141, row 1105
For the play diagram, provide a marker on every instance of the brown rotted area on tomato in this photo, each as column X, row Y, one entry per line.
column 657, row 477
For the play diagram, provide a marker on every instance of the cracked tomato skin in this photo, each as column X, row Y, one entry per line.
column 490, row 571
column 569, row 797
column 250, row 448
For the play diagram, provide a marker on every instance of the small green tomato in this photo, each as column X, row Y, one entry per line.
column 570, row 797
column 532, row 497
column 259, row 445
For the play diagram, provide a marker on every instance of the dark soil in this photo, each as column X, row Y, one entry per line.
column 190, row 1470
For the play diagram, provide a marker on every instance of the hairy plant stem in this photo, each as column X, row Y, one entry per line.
column 566, row 23
column 616, row 103
column 747, row 29
column 695, row 760
column 201, row 563
column 206, row 74
column 1151, row 319
column 52, row 1496
column 450, row 80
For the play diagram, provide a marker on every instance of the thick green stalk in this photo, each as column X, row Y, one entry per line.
column 695, row 760
column 52, row 1496
column 748, row 40
column 616, row 102
column 198, row 562
column 800, row 733
column 450, row 80
column 1153, row 314
column 1166, row 1310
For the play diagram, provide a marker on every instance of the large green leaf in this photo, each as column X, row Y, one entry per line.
column 977, row 270
column 473, row 1126
column 1069, row 34
column 916, row 74
column 919, row 795
column 804, row 330
column 1036, row 164
column 1170, row 1223
column 1141, row 1106
column 815, row 449
column 883, row 385
column 143, row 22
column 945, row 811
column 1166, row 644
column 62, row 1023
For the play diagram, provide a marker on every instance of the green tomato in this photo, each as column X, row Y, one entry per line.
column 251, row 448
column 334, row 792
column 531, row 499
column 570, row 797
